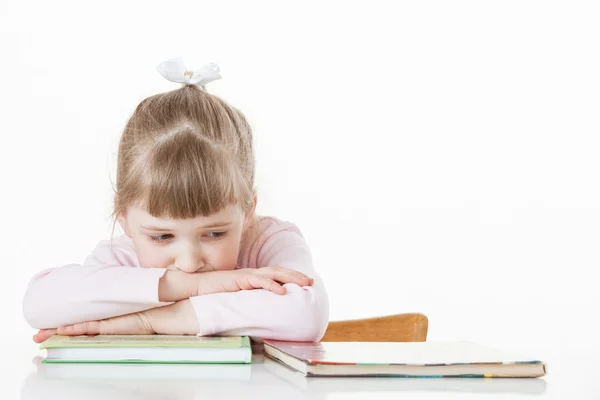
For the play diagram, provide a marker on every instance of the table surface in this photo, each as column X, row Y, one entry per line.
column 267, row 379
column 568, row 346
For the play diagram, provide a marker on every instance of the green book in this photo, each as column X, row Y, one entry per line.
column 161, row 349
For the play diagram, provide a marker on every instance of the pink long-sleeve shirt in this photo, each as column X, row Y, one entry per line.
column 111, row 282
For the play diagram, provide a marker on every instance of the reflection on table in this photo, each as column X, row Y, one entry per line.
column 264, row 379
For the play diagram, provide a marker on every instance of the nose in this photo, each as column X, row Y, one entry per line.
column 189, row 260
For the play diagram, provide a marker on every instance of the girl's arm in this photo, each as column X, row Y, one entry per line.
column 301, row 314
column 107, row 284
column 110, row 284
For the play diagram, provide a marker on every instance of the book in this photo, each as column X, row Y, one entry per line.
column 405, row 359
column 162, row 349
column 334, row 384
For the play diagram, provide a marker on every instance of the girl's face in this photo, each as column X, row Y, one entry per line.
column 191, row 245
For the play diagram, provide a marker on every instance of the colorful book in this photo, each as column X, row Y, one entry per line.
column 410, row 359
column 162, row 349
column 342, row 384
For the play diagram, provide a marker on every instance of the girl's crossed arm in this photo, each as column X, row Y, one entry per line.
column 110, row 283
column 107, row 284
column 301, row 314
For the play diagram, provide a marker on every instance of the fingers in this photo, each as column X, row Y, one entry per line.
column 263, row 282
column 286, row 275
column 43, row 334
column 84, row 328
column 275, row 287
column 268, row 278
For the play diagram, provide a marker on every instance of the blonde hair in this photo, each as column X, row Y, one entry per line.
column 183, row 154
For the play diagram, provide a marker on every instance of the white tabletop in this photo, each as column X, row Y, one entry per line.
column 265, row 379
column 565, row 339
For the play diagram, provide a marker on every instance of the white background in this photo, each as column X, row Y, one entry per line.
column 440, row 157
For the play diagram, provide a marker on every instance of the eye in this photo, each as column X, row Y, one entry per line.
column 216, row 235
column 160, row 238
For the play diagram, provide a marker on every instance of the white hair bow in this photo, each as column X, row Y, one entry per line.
column 174, row 71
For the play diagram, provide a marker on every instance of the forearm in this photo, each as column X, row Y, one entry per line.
column 75, row 293
column 301, row 314
column 177, row 319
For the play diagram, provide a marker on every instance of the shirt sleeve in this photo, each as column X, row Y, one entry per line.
column 302, row 314
column 109, row 283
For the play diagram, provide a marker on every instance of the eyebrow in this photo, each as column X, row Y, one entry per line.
column 213, row 225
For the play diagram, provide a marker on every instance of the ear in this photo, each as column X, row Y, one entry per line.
column 122, row 219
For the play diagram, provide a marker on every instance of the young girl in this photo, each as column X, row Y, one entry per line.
column 195, row 259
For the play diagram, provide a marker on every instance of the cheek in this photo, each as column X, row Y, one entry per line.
column 227, row 256
column 150, row 256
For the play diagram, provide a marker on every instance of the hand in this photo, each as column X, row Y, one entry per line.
column 268, row 278
column 175, row 319
column 43, row 334
column 130, row 324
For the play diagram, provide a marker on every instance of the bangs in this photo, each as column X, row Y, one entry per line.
column 186, row 177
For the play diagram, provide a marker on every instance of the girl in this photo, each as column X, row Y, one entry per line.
column 195, row 258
